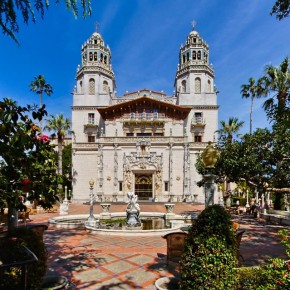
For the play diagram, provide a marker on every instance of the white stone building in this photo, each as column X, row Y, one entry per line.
column 143, row 141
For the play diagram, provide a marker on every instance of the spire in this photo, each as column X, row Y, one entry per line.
column 97, row 26
column 193, row 24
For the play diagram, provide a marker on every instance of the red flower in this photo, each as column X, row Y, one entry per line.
column 26, row 181
column 42, row 138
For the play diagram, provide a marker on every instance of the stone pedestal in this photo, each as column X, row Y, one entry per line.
column 209, row 189
column 106, row 211
column 169, row 207
column 133, row 219
column 63, row 209
column 92, row 223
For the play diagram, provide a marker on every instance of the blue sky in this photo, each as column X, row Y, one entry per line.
column 145, row 37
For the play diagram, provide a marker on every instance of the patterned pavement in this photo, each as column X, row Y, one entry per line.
column 93, row 261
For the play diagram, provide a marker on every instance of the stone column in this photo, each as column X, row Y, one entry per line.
column 209, row 189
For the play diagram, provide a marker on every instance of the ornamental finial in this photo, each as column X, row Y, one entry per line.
column 97, row 26
column 193, row 24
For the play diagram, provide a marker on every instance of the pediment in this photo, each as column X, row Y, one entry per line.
column 144, row 104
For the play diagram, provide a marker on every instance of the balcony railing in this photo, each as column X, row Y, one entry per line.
column 144, row 116
column 198, row 121
column 90, row 124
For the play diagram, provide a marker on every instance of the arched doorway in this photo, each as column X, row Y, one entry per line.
column 143, row 186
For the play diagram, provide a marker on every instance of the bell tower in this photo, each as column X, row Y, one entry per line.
column 194, row 81
column 95, row 77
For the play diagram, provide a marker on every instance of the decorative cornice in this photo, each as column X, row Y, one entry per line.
column 206, row 107
column 83, row 108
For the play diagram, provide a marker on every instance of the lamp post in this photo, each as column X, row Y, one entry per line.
column 65, row 194
column 91, row 218
column 63, row 209
column 247, row 204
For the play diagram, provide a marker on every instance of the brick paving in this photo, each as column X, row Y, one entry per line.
column 93, row 261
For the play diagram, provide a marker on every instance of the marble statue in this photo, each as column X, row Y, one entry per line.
column 133, row 211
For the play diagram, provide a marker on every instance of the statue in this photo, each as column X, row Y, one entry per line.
column 133, row 211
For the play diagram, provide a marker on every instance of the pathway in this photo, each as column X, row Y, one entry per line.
column 93, row 261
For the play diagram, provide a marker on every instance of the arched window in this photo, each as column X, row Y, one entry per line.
column 91, row 87
column 194, row 55
column 187, row 56
column 90, row 56
column 197, row 86
column 95, row 56
column 102, row 57
column 208, row 86
column 199, row 55
column 105, row 59
column 183, row 58
column 81, row 87
column 183, row 86
column 105, row 86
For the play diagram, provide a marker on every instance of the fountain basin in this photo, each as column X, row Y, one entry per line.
column 78, row 222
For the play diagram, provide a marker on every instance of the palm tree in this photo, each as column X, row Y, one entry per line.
column 276, row 81
column 230, row 128
column 247, row 91
column 40, row 86
column 61, row 126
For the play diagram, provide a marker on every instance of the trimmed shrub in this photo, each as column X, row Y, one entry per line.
column 210, row 254
column 210, row 266
column 248, row 278
column 213, row 221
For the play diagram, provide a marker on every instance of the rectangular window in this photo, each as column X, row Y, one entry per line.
column 91, row 118
column 130, row 134
column 144, row 134
column 197, row 138
column 198, row 117
column 91, row 139
column 166, row 186
column 158, row 134
column 120, row 186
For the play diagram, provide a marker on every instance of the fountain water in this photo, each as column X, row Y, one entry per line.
column 135, row 222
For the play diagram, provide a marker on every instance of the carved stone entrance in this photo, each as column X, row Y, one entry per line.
column 143, row 186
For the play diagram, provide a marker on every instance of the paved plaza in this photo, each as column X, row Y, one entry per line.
column 94, row 261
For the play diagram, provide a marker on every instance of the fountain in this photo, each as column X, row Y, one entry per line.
column 129, row 222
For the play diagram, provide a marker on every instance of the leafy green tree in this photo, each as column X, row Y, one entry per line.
column 26, row 155
column 67, row 165
column 228, row 130
column 60, row 126
column 258, row 159
column 10, row 10
column 276, row 83
column 250, row 91
column 281, row 9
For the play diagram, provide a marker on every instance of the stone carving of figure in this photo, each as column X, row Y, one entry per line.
column 133, row 211
column 128, row 180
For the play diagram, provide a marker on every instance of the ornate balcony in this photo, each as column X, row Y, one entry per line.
column 144, row 119
column 197, row 122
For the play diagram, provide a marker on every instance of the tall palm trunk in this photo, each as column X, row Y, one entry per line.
column 59, row 165
column 59, row 145
column 40, row 103
column 251, row 114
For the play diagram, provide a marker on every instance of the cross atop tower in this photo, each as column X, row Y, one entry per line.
column 97, row 26
column 193, row 24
